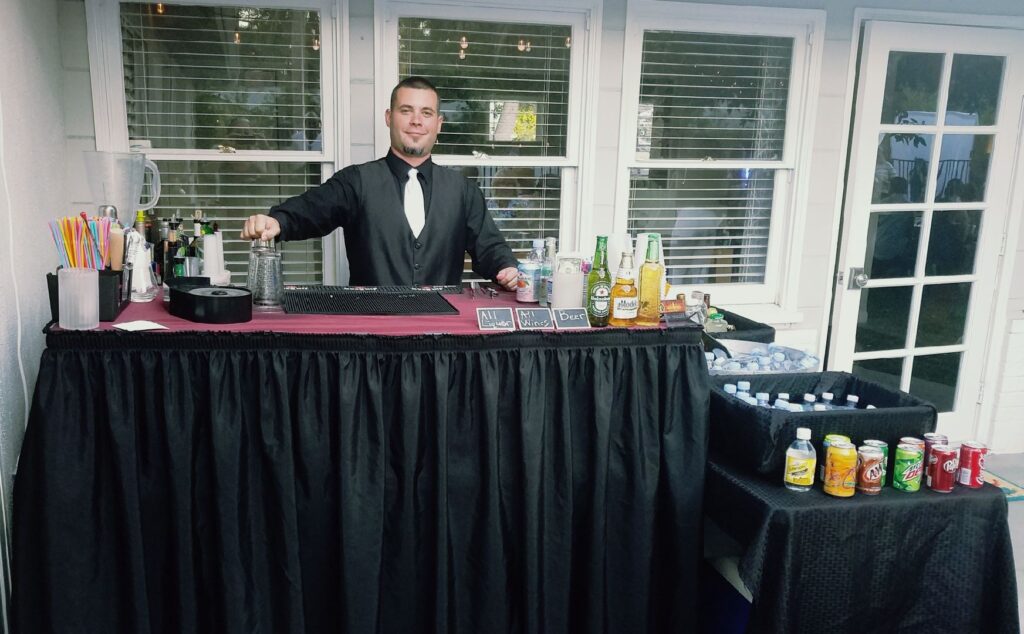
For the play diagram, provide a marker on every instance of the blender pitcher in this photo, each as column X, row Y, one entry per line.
column 116, row 178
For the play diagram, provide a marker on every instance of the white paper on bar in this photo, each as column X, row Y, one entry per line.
column 137, row 326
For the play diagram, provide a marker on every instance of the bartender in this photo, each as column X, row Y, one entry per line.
column 407, row 220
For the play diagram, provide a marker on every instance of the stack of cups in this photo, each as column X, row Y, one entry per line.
column 213, row 260
column 78, row 293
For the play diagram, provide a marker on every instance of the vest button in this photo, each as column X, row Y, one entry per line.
column 419, row 245
column 418, row 266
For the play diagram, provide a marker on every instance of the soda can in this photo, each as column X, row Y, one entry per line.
column 910, row 440
column 972, row 462
column 527, row 288
column 829, row 439
column 930, row 440
column 906, row 472
column 841, row 469
column 942, row 468
column 884, row 446
column 869, row 470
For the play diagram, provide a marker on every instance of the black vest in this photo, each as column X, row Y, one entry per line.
column 398, row 257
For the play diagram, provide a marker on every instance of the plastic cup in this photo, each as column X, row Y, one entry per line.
column 78, row 293
column 567, row 285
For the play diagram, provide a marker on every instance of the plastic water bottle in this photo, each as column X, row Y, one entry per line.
column 730, row 388
column 762, row 399
column 742, row 388
column 800, row 461
column 827, row 398
column 809, row 402
column 870, row 407
column 851, row 401
column 781, row 403
column 820, row 407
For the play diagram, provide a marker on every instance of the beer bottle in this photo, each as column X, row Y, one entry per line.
column 651, row 273
column 599, row 285
column 625, row 297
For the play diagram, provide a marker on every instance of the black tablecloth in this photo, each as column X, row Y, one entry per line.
column 746, row 329
column 278, row 483
column 906, row 562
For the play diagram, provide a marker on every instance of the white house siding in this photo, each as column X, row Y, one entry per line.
column 33, row 149
column 803, row 314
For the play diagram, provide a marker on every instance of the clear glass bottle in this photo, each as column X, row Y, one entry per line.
column 800, row 462
column 625, row 295
column 651, row 274
column 599, row 286
column 547, row 272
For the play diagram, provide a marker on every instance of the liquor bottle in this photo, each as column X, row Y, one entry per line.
column 649, row 312
column 547, row 272
column 599, row 285
column 625, row 296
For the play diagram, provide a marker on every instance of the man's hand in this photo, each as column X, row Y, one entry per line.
column 260, row 227
column 508, row 278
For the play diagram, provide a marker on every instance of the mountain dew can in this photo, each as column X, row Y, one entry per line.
column 884, row 446
column 907, row 470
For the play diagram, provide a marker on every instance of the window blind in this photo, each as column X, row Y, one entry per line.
column 228, row 192
column 525, row 203
column 714, row 223
column 504, row 86
column 713, row 96
column 210, row 77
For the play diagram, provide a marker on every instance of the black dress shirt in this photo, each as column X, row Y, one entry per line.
column 366, row 200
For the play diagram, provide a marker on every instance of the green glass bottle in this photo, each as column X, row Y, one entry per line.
column 599, row 285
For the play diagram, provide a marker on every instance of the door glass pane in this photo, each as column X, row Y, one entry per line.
column 934, row 379
column 911, row 87
column 943, row 314
column 885, row 371
column 901, row 167
column 963, row 167
column 953, row 242
column 882, row 320
column 892, row 244
column 974, row 87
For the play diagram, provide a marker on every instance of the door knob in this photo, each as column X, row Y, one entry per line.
column 858, row 278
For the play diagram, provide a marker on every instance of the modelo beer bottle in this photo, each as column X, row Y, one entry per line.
column 651, row 274
column 625, row 296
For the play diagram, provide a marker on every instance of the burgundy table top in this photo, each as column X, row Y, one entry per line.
column 462, row 324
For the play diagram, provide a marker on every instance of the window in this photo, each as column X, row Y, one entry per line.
column 511, row 116
column 227, row 101
column 715, row 119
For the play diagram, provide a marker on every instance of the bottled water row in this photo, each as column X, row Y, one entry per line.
column 793, row 403
column 771, row 358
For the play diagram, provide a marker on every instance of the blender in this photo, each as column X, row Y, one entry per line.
column 116, row 178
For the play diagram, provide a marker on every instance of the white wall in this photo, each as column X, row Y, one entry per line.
column 32, row 170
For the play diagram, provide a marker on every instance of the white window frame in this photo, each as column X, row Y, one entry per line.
column 584, row 18
column 103, row 21
column 778, row 292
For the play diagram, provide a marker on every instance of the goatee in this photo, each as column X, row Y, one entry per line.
column 413, row 151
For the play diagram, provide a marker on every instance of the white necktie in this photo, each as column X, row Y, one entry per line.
column 414, row 203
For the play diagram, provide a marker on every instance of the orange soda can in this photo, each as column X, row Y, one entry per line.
column 841, row 469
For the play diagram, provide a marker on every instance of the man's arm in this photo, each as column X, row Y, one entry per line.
column 492, row 257
column 320, row 210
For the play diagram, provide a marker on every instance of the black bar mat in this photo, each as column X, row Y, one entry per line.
column 332, row 301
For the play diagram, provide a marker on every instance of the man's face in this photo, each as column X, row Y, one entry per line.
column 414, row 121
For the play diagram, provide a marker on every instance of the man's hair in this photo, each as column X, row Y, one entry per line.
column 419, row 83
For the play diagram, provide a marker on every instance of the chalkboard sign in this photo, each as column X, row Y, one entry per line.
column 571, row 318
column 495, row 319
column 535, row 319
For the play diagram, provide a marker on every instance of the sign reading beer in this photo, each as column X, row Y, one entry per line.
column 495, row 319
column 535, row 319
column 571, row 318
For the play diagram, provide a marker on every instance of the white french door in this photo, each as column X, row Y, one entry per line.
column 935, row 140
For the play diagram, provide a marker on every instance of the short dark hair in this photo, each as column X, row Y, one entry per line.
column 417, row 82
